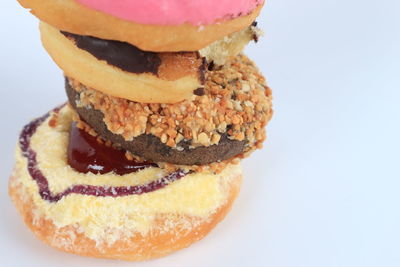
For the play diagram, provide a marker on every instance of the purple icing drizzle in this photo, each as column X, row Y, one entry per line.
column 91, row 190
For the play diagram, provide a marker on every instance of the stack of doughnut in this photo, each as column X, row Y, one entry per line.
column 144, row 159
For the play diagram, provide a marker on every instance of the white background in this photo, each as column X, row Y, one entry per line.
column 325, row 190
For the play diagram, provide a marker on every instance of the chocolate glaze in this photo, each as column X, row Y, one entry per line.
column 99, row 191
column 255, row 36
column 199, row 91
column 203, row 69
column 119, row 54
column 86, row 154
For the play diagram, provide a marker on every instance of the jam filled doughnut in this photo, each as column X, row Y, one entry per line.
column 146, row 213
column 172, row 25
column 226, row 118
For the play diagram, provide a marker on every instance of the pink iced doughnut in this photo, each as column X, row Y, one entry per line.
column 173, row 12
column 151, row 25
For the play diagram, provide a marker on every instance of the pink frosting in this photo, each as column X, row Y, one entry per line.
column 173, row 12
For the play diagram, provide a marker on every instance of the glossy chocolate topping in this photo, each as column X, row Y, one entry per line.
column 119, row 54
column 99, row 191
column 85, row 154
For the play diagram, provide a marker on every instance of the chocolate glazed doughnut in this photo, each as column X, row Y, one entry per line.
column 131, row 59
column 150, row 147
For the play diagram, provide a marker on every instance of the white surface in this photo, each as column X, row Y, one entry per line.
column 325, row 189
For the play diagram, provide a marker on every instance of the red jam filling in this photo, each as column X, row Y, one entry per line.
column 86, row 154
column 100, row 191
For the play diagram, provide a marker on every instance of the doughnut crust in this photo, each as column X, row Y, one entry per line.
column 70, row 16
column 137, row 248
column 133, row 227
column 179, row 74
